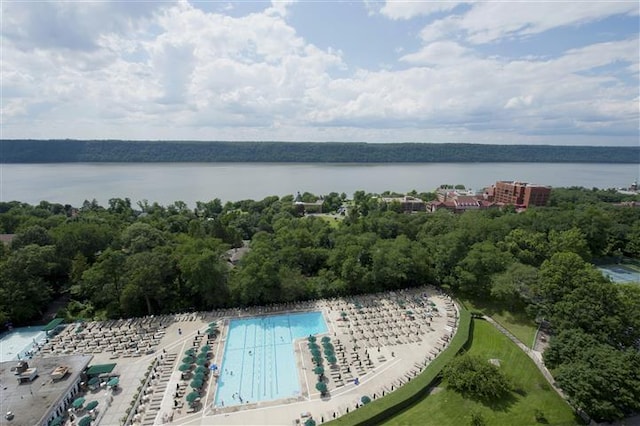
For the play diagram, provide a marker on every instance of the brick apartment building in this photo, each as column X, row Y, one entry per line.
column 520, row 194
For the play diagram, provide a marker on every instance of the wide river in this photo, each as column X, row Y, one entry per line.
column 72, row 183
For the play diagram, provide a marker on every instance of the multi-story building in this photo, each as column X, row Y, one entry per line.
column 519, row 194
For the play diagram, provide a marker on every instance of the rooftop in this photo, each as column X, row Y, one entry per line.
column 30, row 401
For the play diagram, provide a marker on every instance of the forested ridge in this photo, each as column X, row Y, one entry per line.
column 69, row 151
column 124, row 260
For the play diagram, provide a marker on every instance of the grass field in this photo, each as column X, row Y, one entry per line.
column 518, row 323
column 445, row 407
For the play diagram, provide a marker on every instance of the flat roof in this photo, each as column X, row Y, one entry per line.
column 31, row 401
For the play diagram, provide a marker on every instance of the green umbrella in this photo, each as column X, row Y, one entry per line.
column 201, row 361
column 113, row 382
column 211, row 331
column 85, row 421
column 185, row 367
column 317, row 359
column 56, row 422
column 327, row 346
column 91, row 405
column 318, row 370
column 213, row 324
column 205, row 348
column 310, row 422
column 365, row 399
column 343, row 314
column 193, row 396
column 199, row 376
column 94, row 381
column 325, row 339
column 188, row 360
column 312, row 338
column 196, row 384
column 329, row 352
column 332, row 359
column 78, row 402
column 190, row 352
column 315, row 352
column 201, row 369
column 312, row 345
column 321, row 386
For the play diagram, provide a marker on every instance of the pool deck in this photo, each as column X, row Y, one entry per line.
column 383, row 340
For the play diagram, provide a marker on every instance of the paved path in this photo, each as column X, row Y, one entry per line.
column 534, row 355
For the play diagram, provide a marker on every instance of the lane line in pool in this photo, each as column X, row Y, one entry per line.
column 244, row 349
column 253, row 360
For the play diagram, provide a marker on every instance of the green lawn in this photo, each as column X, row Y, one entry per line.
column 517, row 322
column 445, row 407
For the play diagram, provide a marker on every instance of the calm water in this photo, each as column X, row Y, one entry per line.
column 259, row 360
column 190, row 182
column 18, row 341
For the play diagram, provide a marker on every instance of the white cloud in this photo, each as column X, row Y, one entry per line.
column 486, row 22
column 178, row 72
column 406, row 9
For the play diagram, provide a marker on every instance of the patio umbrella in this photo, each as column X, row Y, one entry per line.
column 332, row 359
column 199, row 376
column 94, row 381
column 321, row 386
column 193, row 396
column 185, row 367
column 190, row 352
column 113, row 382
column 213, row 324
column 329, row 352
column 212, row 330
column 315, row 352
column 318, row 370
column 365, row 399
column 310, row 422
column 327, row 345
column 201, row 369
column 312, row 338
column 196, row 384
column 205, row 348
column 91, row 405
column 187, row 360
column 56, row 422
column 78, row 402
column 317, row 359
column 201, row 361
column 343, row 314
column 325, row 339
column 85, row 421
column 312, row 345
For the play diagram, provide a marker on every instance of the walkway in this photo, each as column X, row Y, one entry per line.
column 534, row 355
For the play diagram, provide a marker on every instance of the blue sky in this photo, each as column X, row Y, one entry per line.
column 539, row 72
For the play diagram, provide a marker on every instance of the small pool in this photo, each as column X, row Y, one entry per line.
column 259, row 360
column 620, row 273
column 16, row 343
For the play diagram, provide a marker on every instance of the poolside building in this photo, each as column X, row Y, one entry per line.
column 37, row 392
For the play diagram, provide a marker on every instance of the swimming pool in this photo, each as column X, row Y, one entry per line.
column 19, row 341
column 259, row 359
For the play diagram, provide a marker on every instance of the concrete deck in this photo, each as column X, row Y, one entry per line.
column 382, row 340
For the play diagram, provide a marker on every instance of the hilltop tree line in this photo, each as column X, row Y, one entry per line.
column 124, row 260
column 67, row 151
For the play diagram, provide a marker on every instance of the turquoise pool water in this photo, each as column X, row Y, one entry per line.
column 19, row 341
column 259, row 360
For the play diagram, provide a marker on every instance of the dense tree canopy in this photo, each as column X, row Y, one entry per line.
column 126, row 260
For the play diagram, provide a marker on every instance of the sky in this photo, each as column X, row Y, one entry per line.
column 505, row 72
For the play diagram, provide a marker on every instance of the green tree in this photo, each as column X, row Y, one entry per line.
column 476, row 378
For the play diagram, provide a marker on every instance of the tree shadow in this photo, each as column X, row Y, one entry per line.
column 501, row 402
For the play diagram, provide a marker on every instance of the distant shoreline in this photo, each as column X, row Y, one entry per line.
column 30, row 151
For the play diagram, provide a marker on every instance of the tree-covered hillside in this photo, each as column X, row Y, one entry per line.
column 122, row 260
column 61, row 151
